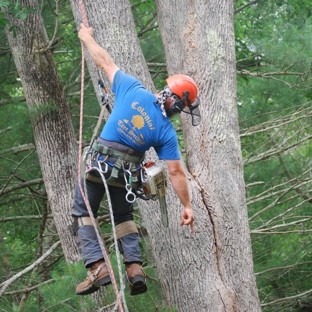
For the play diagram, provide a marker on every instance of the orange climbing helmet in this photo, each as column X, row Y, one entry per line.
column 185, row 88
column 180, row 83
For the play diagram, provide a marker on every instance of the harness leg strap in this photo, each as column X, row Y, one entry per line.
column 126, row 228
column 81, row 221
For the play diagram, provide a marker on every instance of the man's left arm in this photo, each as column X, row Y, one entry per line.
column 100, row 56
column 179, row 183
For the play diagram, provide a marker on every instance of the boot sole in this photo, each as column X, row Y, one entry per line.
column 137, row 285
column 95, row 286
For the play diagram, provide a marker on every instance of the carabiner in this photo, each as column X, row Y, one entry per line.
column 100, row 163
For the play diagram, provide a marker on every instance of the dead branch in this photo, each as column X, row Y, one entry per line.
column 261, row 128
column 279, row 217
column 18, row 218
column 273, row 152
column 273, row 75
column 18, row 149
column 283, row 232
column 283, row 267
column 20, row 186
column 268, row 192
column 277, row 201
column 29, row 289
column 8, row 282
column 287, row 298
column 284, row 225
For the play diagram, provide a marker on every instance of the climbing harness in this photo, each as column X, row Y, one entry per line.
column 120, row 164
column 126, row 169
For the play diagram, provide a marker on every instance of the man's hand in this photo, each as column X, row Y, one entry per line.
column 188, row 218
column 85, row 32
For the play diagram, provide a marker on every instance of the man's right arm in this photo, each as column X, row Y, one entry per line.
column 99, row 56
column 179, row 183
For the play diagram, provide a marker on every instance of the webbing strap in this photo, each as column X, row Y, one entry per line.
column 125, row 228
column 98, row 147
column 86, row 221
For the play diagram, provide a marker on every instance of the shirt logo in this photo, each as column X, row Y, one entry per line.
column 144, row 115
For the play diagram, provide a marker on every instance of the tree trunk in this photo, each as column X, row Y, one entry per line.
column 199, row 41
column 51, row 119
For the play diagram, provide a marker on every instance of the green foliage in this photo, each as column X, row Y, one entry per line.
column 273, row 47
column 15, row 10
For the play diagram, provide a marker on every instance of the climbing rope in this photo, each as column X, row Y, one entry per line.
column 119, row 295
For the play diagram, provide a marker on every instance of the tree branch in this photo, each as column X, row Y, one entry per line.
column 283, row 233
column 18, row 149
column 268, row 230
column 18, row 218
column 277, row 200
column 20, row 186
column 7, row 283
column 273, row 152
column 245, row 6
column 271, row 75
column 283, row 268
column 287, row 298
column 261, row 128
column 281, row 217
column 14, row 100
column 29, row 289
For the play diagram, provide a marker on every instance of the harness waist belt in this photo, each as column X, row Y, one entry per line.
column 117, row 150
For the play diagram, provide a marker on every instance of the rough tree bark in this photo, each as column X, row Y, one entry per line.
column 199, row 40
column 51, row 119
column 211, row 270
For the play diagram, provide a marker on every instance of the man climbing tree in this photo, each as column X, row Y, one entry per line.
column 139, row 121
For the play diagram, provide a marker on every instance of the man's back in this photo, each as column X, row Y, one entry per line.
column 137, row 120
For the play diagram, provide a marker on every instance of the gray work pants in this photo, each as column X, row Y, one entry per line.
column 86, row 238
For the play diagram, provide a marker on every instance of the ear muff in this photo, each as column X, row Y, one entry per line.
column 179, row 103
column 177, row 106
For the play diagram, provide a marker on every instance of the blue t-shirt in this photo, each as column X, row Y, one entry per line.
column 137, row 121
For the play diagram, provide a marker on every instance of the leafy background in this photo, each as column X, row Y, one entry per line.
column 274, row 57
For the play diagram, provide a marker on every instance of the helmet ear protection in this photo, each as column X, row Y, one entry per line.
column 179, row 104
column 193, row 109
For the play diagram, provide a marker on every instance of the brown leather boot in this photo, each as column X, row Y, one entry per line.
column 97, row 276
column 136, row 278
